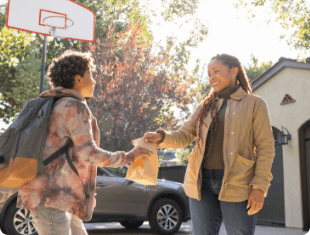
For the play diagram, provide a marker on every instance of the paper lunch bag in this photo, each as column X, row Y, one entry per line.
column 145, row 169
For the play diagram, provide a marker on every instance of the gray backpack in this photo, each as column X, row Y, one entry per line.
column 21, row 145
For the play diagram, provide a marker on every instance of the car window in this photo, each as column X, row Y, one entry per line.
column 118, row 172
column 102, row 172
column 112, row 172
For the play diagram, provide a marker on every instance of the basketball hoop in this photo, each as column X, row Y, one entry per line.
column 57, row 23
column 49, row 18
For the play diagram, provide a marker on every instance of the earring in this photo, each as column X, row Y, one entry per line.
column 233, row 78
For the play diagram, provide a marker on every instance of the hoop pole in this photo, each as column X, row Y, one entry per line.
column 43, row 63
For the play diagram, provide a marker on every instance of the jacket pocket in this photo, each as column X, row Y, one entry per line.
column 192, row 165
column 242, row 172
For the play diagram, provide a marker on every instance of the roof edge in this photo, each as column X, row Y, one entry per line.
column 276, row 68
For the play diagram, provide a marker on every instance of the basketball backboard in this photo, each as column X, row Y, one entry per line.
column 29, row 16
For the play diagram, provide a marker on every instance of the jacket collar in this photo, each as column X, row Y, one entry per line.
column 237, row 95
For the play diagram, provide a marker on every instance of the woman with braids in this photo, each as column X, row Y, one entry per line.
column 58, row 198
column 229, row 170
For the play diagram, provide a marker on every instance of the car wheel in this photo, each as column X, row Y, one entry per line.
column 166, row 216
column 18, row 221
column 131, row 224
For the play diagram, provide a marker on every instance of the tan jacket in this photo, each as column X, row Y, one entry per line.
column 248, row 147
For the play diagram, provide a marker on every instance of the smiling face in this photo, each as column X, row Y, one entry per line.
column 220, row 75
column 86, row 84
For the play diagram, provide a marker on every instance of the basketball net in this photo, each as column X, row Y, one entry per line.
column 57, row 24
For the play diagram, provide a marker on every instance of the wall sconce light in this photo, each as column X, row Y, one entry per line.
column 283, row 138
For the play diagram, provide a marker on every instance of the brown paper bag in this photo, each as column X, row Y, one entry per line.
column 145, row 169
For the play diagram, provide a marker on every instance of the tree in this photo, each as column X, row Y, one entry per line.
column 19, row 73
column 20, row 55
column 254, row 70
column 291, row 14
column 118, row 13
column 2, row 16
column 135, row 88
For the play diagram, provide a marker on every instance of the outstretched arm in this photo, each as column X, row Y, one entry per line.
column 175, row 139
column 79, row 123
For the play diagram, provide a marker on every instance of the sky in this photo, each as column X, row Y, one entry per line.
column 229, row 31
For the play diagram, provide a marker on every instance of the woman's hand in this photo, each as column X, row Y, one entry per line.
column 152, row 137
column 136, row 153
column 255, row 201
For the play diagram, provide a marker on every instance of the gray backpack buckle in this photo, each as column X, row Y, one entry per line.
column 40, row 114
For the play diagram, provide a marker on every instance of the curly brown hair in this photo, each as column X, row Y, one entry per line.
column 209, row 103
column 64, row 68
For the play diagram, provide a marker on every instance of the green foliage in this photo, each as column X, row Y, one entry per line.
column 119, row 13
column 203, row 86
column 254, row 70
column 160, row 159
column 20, row 71
column 173, row 9
column 202, row 90
column 182, row 154
column 2, row 19
column 291, row 14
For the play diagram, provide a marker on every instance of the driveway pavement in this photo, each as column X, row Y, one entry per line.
column 117, row 229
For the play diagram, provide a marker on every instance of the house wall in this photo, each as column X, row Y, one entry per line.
column 296, row 83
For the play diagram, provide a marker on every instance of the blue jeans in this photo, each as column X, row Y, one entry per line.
column 208, row 214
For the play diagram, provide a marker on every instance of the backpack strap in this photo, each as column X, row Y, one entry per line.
column 62, row 150
column 76, row 172
column 59, row 152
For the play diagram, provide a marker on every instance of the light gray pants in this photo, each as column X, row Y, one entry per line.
column 50, row 221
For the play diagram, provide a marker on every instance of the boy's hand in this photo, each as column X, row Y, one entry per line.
column 136, row 153
column 152, row 137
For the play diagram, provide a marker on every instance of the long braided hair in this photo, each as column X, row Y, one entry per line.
column 209, row 103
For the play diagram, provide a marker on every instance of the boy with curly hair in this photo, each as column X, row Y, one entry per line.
column 56, row 197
